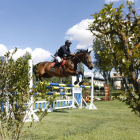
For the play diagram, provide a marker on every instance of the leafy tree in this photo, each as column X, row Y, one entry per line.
column 16, row 93
column 121, row 34
column 99, row 46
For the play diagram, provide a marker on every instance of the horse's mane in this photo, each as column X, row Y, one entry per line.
column 77, row 52
column 80, row 51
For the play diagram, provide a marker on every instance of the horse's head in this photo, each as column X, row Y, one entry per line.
column 86, row 58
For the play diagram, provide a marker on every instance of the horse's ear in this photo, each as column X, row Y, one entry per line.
column 89, row 50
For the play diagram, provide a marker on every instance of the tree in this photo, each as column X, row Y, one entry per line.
column 99, row 46
column 121, row 34
column 15, row 93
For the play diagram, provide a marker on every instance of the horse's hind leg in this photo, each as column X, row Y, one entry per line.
column 36, row 78
column 40, row 79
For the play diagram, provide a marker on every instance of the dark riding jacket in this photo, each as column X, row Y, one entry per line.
column 63, row 50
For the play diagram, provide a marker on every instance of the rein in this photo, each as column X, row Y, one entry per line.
column 87, row 62
column 76, row 57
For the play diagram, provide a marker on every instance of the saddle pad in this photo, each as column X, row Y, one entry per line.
column 64, row 61
column 52, row 64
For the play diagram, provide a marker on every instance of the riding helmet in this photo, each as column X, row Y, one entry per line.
column 68, row 42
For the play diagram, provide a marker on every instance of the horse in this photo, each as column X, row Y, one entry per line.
column 69, row 68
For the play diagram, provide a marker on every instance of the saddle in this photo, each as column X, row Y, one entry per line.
column 64, row 61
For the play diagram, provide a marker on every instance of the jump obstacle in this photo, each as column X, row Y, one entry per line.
column 58, row 104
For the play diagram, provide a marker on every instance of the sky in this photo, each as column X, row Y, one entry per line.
column 42, row 26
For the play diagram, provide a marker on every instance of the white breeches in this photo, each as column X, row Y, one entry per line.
column 58, row 59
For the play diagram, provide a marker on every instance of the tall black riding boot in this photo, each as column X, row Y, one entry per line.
column 55, row 66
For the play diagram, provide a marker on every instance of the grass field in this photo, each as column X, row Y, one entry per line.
column 113, row 120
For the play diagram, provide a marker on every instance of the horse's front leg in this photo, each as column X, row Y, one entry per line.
column 82, row 81
column 73, row 73
column 77, row 79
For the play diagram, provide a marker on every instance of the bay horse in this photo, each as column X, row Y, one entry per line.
column 42, row 69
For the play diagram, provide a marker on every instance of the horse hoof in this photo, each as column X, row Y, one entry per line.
column 75, row 83
column 81, row 83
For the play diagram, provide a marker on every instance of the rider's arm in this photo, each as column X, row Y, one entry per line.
column 72, row 54
column 64, row 50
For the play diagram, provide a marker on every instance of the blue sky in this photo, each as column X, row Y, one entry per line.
column 42, row 26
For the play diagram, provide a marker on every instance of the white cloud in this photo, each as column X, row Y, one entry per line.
column 95, row 75
column 3, row 49
column 20, row 52
column 80, row 33
column 87, row 73
column 90, row 49
column 132, row 0
column 108, row 1
column 38, row 55
column 99, row 75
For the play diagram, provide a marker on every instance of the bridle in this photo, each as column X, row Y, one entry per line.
column 87, row 62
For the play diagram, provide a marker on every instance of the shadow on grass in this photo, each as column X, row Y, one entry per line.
column 60, row 111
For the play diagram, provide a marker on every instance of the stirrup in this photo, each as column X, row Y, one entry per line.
column 52, row 70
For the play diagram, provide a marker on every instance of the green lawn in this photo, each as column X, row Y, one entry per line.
column 113, row 120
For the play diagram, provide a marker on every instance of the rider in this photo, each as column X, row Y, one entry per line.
column 63, row 50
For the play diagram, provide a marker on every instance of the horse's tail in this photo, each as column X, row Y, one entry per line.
column 35, row 68
column 35, row 71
